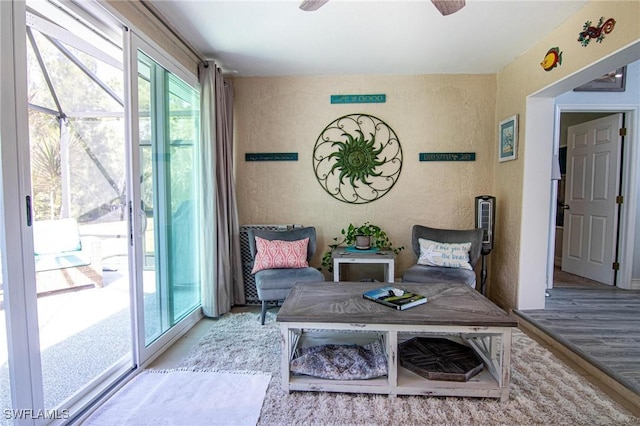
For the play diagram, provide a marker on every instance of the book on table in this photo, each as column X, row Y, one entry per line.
column 395, row 297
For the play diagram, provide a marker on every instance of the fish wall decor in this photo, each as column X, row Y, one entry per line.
column 552, row 59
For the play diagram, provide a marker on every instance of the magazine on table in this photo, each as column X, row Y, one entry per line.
column 395, row 297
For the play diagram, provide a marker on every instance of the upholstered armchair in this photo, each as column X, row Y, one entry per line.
column 444, row 256
column 280, row 261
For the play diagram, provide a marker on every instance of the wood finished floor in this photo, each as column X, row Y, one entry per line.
column 598, row 322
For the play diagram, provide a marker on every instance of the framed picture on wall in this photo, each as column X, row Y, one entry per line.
column 610, row 82
column 508, row 139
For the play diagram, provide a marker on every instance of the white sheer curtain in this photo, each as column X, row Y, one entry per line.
column 222, row 283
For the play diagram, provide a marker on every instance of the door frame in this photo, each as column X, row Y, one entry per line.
column 541, row 118
column 18, row 265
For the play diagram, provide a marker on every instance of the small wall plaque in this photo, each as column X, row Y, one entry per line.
column 271, row 156
column 359, row 99
column 447, row 156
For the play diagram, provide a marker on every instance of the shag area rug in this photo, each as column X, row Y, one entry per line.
column 180, row 397
column 544, row 391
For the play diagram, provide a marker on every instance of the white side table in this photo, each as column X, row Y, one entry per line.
column 384, row 257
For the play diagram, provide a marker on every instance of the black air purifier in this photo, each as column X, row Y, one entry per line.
column 485, row 219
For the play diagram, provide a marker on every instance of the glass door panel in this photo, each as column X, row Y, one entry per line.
column 183, row 137
column 152, row 320
column 168, row 124
column 78, row 175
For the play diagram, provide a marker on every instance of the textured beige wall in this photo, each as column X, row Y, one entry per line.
column 430, row 113
column 522, row 78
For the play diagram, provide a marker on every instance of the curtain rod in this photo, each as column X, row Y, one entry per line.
column 171, row 29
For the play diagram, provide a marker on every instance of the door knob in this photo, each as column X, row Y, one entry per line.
column 566, row 207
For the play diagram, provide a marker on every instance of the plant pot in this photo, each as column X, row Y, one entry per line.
column 363, row 241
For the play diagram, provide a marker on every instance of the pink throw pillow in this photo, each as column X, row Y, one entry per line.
column 279, row 254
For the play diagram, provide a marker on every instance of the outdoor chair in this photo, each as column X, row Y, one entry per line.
column 65, row 260
column 281, row 260
column 444, row 256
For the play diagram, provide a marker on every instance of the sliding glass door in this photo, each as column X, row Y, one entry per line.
column 65, row 303
column 78, row 181
column 99, row 194
column 167, row 146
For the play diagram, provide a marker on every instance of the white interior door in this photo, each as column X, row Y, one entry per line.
column 590, row 221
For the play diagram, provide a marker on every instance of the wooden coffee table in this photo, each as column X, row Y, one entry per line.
column 324, row 313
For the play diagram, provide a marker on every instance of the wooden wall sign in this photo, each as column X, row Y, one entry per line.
column 447, row 156
column 359, row 99
column 271, row 156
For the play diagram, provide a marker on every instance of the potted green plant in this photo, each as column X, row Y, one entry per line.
column 374, row 235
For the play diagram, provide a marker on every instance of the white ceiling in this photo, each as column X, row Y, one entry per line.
column 275, row 38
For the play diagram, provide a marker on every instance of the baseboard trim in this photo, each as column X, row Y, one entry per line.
column 635, row 284
column 614, row 389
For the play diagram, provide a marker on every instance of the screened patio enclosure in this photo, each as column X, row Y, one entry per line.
column 76, row 128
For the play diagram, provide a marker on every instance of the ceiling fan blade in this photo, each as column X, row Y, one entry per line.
column 311, row 5
column 447, row 7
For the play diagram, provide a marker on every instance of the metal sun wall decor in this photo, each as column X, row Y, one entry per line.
column 357, row 158
column 590, row 32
